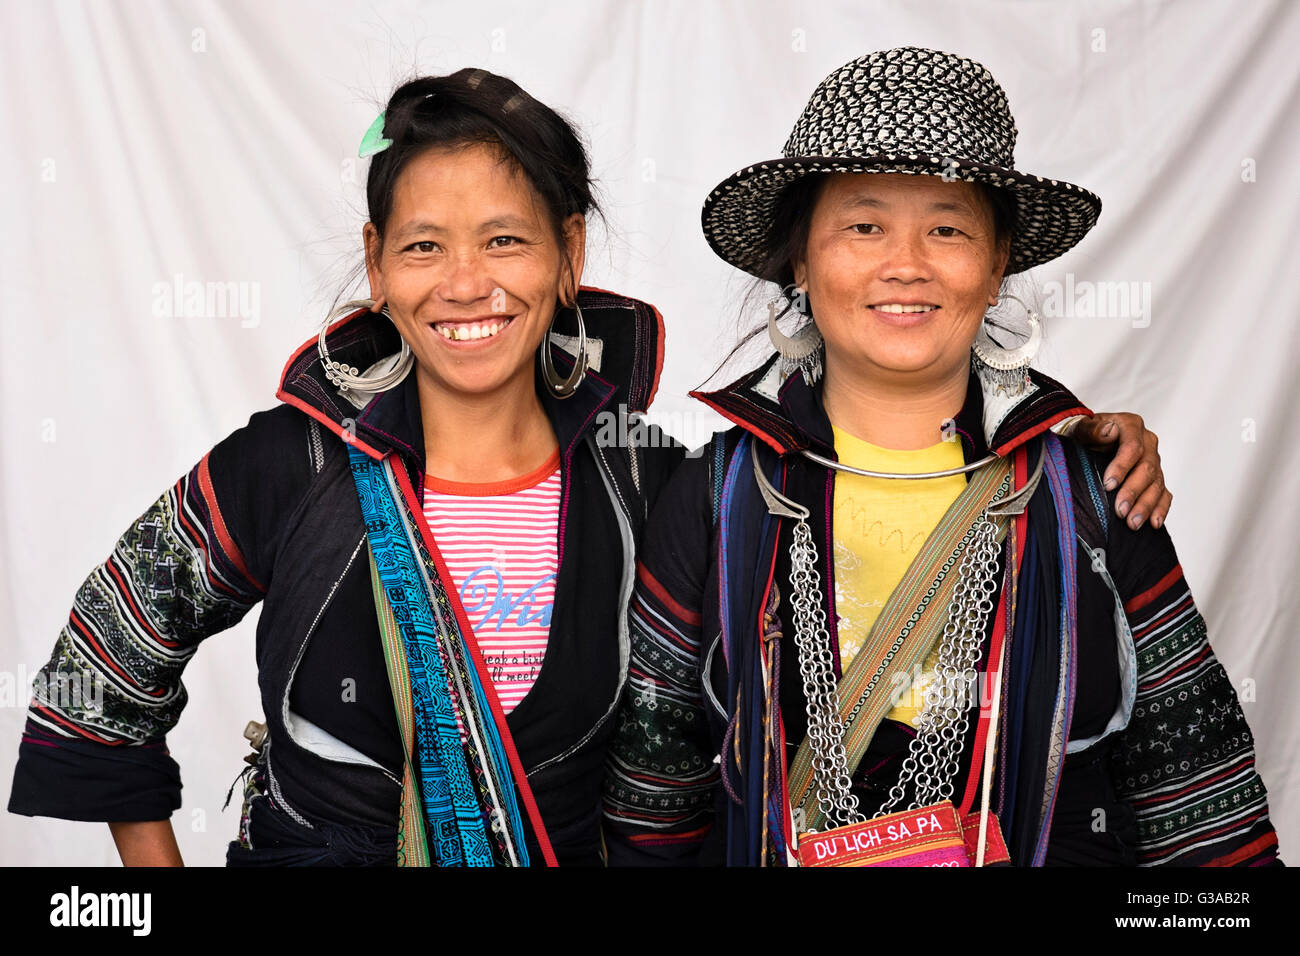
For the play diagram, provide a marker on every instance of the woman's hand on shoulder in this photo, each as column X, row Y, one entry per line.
column 1135, row 470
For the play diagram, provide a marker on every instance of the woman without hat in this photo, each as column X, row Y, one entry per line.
column 890, row 618
column 442, row 549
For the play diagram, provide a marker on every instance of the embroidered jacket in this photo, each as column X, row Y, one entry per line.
column 271, row 514
column 1144, row 726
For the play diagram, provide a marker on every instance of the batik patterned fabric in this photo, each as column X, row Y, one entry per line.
column 1188, row 766
column 462, row 785
column 174, row 578
column 453, row 820
column 661, row 792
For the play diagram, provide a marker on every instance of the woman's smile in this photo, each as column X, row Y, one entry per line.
column 472, row 270
column 904, row 315
column 472, row 334
column 917, row 255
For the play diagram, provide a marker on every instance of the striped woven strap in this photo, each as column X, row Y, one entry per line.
column 461, row 764
column 412, row 847
column 909, row 626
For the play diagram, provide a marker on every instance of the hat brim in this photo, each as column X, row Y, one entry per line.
column 1052, row 215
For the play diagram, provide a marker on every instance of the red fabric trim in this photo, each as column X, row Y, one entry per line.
column 1250, row 849
column 1189, row 665
column 666, row 839
column 316, row 413
column 219, row 526
column 743, row 423
column 325, row 420
column 663, row 630
column 1021, row 470
column 200, row 537
column 1022, row 520
column 1041, row 427
column 75, row 620
column 1153, row 592
column 125, row 592
column 658, row 590
column 1192, row 787
column 74, row 728
column 1173, row 612
column 779, row 730
column 312, row 342
column 507, row 740
column 488, row 489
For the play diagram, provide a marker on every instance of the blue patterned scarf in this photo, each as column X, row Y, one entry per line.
column 467, row 790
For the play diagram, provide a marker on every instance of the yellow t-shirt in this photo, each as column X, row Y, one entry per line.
column 879, row 526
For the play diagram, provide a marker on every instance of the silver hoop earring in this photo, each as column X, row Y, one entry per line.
column 564, row 387
column 1007, row 369
column 381, row 376
column 801, row 351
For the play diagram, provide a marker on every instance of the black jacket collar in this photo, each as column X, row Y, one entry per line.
column 788, row 413
column 625, row 344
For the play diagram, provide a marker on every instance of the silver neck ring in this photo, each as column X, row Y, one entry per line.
column 840, row 466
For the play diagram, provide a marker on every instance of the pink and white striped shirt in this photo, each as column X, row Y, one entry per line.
column 499, row 542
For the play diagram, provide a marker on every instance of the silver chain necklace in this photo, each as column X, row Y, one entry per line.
column 934, row 754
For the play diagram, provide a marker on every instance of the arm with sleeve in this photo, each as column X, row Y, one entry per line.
column 192, row 565
column 1186, row 760
column 661, row 777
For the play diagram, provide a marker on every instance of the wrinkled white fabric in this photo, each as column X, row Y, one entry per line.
column 151, row 145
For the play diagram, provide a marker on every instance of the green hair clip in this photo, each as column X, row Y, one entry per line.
column 374, row 141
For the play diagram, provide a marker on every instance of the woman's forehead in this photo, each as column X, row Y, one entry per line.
column 886, row 191
column 479, row 181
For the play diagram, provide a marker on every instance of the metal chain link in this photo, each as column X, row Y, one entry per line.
column 934, row 754
column 835, row 799
column 975, row 611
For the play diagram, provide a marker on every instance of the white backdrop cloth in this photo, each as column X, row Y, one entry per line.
column 152, row 143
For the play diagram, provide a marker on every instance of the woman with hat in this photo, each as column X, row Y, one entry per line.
column 889, row 618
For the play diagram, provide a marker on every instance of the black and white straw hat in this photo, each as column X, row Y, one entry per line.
column 906, row 110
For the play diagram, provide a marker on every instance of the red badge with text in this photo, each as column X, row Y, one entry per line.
column 928, row 836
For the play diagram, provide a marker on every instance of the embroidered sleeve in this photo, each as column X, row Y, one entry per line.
column 94, row 744
column 661, row 778
column 1186, row 761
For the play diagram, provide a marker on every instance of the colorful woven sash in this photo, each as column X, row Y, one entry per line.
column 412, row 845
column 909, row 626
column 459, row 802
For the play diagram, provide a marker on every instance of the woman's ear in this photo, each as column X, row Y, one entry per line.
column 1000, row 257
column 574, row 249
column 374, row 248
column 799, row 269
